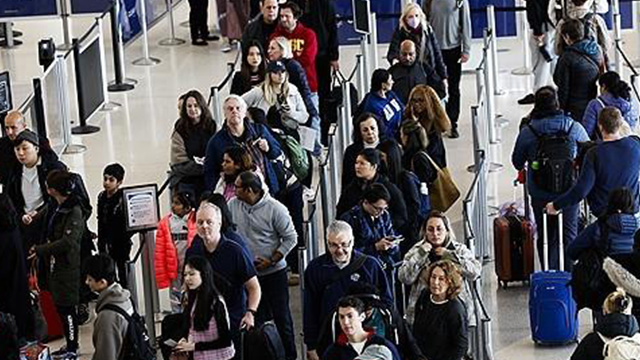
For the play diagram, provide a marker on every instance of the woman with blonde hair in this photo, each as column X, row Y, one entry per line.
column 615, row 321
column 415, row 27
column 425, row 107
column 440, row 326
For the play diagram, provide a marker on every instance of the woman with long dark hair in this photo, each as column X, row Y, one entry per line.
column 384, row 103
column 613, row 92
column 367, row 133
column 252, row 69
column 206, row 315
column 191, row 134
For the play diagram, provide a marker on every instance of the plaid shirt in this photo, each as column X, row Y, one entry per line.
column 417, row 259
column 208, row 335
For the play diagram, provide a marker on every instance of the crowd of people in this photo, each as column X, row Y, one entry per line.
column 226, row 251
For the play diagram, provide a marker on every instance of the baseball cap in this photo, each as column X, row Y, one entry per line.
column 276, row 66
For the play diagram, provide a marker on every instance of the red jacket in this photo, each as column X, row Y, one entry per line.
column 304, row 45
column 166, row 261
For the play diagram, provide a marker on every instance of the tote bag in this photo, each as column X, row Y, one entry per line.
column 444, row 191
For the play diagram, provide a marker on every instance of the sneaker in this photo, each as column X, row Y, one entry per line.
column 212, row 37
column 454, row 134
column 84, row 314
column 527, row 100
column 199, row 42
column 61, row 351
column 70, row 355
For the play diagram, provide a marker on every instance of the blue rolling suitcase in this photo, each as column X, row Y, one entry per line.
column 552, row 310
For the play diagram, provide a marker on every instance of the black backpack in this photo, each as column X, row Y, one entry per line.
column 262, row 343
column 136, row 345
column 553, row 169
column 589, row 282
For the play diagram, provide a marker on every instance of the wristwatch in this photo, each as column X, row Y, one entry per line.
column 253, row 312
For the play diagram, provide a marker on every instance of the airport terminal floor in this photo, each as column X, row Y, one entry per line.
column 138, row 136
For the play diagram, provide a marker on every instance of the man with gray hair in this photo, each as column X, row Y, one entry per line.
column 233, row 269
column 14, row 124
column 237, row 130
column 329, row 277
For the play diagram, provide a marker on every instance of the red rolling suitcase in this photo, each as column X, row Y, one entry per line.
column 513, row 238
column 54, row 323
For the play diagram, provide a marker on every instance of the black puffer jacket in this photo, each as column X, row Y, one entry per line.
column 576, row 75
column 612, row 325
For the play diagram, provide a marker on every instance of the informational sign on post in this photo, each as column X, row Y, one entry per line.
column 5, row 93
column 141, row 207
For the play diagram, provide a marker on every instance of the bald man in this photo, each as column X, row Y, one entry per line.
column 14, row 124
column 407, row 73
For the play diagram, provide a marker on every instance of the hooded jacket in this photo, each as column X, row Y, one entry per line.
column 525, row 149
column 320, row 16
column 304, row 45
column 110, row 328
column 342, row 350
column 406, row 77
column 611, row 325
column 590, row 119
column 620, row 229
column 575, row 76
column 166, row 259
column 267, row 226
column 389, row 109
column 292, row 118
column 623, row 271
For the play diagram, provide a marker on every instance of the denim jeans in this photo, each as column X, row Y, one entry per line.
column 274, row 304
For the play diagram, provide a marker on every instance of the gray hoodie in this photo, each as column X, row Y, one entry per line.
column 267, row 226
column 110, row 327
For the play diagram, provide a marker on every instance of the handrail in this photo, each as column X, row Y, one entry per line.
column 165, row 184
column 626, row 59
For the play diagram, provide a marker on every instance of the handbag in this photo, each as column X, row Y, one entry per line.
column 444, row 191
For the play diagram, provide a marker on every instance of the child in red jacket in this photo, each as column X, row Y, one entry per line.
column 173, row 238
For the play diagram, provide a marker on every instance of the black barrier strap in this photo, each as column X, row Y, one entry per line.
column 385, row 16
column 626, row 59
column 165, row 184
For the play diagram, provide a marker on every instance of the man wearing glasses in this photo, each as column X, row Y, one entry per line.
column 328, row 277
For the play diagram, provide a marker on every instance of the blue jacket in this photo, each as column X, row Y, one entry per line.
column 223, row 139
column 603, row 171
column 622, row 227
column 590, row 119
column 389, row 110
column 524, row 151
column 321, row 295
column 367, row 231
column 342, row 350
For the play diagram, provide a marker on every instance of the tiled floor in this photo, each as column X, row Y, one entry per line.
column 137, row 135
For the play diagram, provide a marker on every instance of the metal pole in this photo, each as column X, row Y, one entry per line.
column 324, row 193
column 491, row 20
column 526, row 69
column 373, row 37
column 360, row 78
column 146, row 59
column 617, row 34
column 149, row 284
column 488, row 89
column 63, row 99
column 9, row 41
column 217, row 106
column 365, row 62
column 172, row 40
column 66, row 29
column 334, row 182
column 108, row 105
column 121, row 83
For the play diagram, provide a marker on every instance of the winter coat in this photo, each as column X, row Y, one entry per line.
column 406, row 77
column 166, row 259
column 621, row 228
column 185, row 147
column 298, row 77
column 110, row 328
column 624, row 271
column 417, row 259
column 611, row 325
column 388, row 109
column 349, row 161
column 441, row 330
column 10, row 162
column 576, row 75
column 66, row 228
column 320, row 16
column 538, row 17
column 14, row 186
column 353, row 193
column 596, row 28
column 291, row 119
column 427, row 53
column 590, row 119
column 259, row 31
column 342, row 350
column 304, row 45
column 112, row 231
column 241, row 84
column 525, row 149
column 223, row 139
column 13, row 272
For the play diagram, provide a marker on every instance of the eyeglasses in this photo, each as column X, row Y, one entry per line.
column 345, row 245
column 378, row 209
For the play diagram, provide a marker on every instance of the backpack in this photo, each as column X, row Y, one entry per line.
column 136, row 344
column 621, row 347
column 297, row 156
column 589, row 27
column 425, row 200
column 588, row 279
column 553, row 169
column 79, row 190
column 262, row 343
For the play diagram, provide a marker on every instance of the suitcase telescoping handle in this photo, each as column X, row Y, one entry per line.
column 545, row 242
column 522, row 179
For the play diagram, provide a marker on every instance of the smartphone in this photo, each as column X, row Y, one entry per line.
column 396, row 240
column 170, row 343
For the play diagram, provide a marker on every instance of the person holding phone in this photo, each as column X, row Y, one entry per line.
column 372, row 227
column 206, row 313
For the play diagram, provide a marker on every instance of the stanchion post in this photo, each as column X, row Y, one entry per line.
column 617, row 34
column 121, row 83
column 327, row 211
column 216, row 106
column 146, row 59
column 373, row 38
column 488, row 86
column 108, row 105
column 9, row 41
column 66, row 28
column 526, row 69
column 149, row 284
column 364, row 48
column 64, row 102
column 491, row 21
column 360, row 77
column 172, row 40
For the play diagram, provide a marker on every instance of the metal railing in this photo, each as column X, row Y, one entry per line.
column 215, row 102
